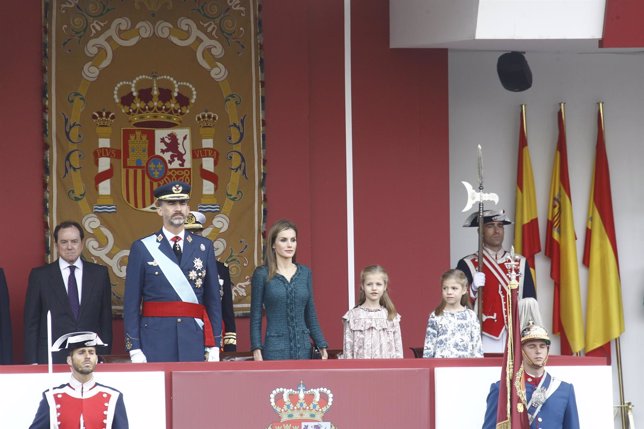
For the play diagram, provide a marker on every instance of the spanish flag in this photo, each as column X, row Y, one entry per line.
column 562, row 250
column 526, row 227
column 605, row 320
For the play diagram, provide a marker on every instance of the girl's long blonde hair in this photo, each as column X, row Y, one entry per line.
column 460, row 277
column 385, row 300
column 269, row 253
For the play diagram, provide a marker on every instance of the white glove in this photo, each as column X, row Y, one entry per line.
column 478, row 281
column 212, row 354
column 137, row 356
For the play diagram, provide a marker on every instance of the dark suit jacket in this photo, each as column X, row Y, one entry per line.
column 5, row 322
column 46, row 291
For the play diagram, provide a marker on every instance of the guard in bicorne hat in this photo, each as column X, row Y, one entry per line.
column 81, row 403
column 494, row 276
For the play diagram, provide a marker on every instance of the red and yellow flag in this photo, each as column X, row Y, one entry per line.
column 526, row 228
column 605, row 320
column 561, row 249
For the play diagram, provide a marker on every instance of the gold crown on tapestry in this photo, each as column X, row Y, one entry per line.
column 103, row 118
column 301, row 403
column 155, row 101
column 206, row 119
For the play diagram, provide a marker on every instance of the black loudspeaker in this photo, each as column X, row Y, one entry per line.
column 514, row 72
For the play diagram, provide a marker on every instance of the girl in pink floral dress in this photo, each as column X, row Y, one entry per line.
column 372, row 328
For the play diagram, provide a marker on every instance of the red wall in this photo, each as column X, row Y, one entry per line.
column 400, row 122
column 21, row 149
column 401, row 157
column 623, row 24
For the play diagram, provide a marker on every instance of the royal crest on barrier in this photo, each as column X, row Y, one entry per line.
column 302, row 408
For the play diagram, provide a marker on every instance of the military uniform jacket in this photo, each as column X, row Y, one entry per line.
column 61, row 407
column 170, row 339
column 559, row 411
column 227, row 309
column 495, row 290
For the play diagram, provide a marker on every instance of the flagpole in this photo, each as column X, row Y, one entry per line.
column 620, row 380
column 479, row 268
column 624, row 408
column 49, row 343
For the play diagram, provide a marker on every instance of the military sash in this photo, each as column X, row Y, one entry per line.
column 494, row 295
column 173, row 273
column 546, row 387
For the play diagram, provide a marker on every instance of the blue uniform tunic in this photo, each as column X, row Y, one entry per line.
column 170, row 339
column 559, row 411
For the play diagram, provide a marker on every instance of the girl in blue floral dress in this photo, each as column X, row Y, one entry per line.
column 453, row 330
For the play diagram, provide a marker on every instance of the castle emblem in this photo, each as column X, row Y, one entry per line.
column 155, row 151
column 301, row 408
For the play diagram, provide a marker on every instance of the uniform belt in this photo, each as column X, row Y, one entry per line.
column 181, row 309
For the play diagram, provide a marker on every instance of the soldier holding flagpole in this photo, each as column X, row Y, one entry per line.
column 544, row 400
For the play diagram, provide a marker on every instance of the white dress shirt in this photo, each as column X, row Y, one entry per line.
column 169, row 235
column 64, row 270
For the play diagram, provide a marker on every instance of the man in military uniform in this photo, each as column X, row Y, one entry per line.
column 494, row 276
column 174, row 275
column 195, row 224
column 82, row 402
column 550, row 402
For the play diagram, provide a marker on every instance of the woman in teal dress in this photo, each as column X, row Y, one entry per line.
column 284, row 288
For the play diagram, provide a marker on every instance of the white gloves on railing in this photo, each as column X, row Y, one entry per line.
column 137, row 356
column 212, row 354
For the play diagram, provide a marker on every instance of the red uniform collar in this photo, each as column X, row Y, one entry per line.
column 532, row 379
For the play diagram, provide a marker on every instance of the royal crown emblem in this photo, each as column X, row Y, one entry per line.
column 301, row 408
column 154, row 151
column 147, row 103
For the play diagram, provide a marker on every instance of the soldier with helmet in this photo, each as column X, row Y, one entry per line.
column 550, row 402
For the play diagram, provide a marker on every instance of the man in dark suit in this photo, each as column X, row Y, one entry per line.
column 5, row 322
column 77, row 292
column 174, row 275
